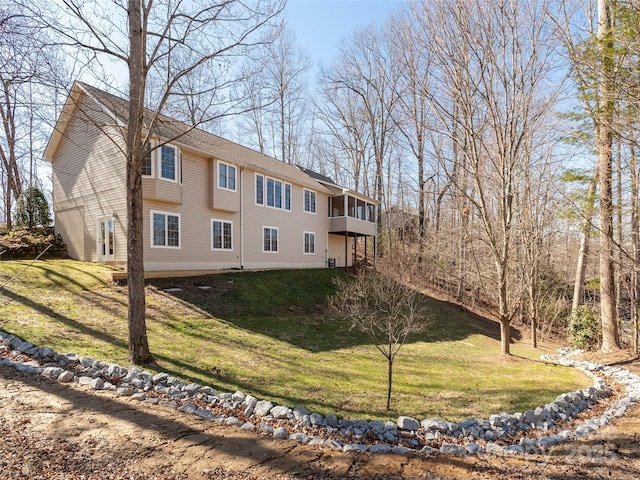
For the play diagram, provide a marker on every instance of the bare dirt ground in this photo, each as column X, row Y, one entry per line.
column 50, row 430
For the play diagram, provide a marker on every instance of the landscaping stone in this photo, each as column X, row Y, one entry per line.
column 280, row 412
column 408, row 423
column 262, row 408
column 281, row 433
column 354, row 447
column 65, row 377
column 452, row 449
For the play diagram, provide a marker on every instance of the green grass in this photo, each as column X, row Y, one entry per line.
column 268, row 334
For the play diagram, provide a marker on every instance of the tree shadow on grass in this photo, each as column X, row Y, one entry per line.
column 295, row 311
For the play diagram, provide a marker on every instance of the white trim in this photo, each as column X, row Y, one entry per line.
column 255, row 189
column 99, row 219
column 304, row 234
column 235, row 176
column 176, row 165
column 222, row 249
column 152, row 153
column 304, row 202
column 277, row 239
column 284, row 197
column 158, row 212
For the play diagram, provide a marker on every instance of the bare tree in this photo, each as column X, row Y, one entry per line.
column 364, row 71
column 166, row 44
column 491, row 66
column 384, row 310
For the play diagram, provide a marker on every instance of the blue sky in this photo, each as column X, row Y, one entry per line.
column 321, row 24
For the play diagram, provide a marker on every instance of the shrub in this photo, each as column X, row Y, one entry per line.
column 27, row 243
column 584, row 329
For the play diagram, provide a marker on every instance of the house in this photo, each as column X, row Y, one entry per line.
column 209, row 203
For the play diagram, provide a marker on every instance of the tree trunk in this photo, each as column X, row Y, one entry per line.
column 389, row 379
column 604, row 143
column 635, row 239
column 583, row 252
column 505, row 336
column 139, row 353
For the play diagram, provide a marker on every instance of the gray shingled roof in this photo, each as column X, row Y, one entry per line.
column 168, row 128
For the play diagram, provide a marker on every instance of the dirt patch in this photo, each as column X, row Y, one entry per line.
column 53, row 430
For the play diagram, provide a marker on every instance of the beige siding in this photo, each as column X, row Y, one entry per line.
column 195, row 251
column 89, row 176
column 336, row 249
column 70, row 225
column 223, row 199
column 291, row 227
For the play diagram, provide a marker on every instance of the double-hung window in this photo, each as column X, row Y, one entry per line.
column 309, row 201
column 221, row 235
column 309, row 243
column 273, row 193
column 147, row 165
column 226, row 176
column 269, row 239
column 259, row 189
column 168, row 162
column 287, row 197
column 165, row 230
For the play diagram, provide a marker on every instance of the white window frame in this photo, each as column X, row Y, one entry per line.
column 176, row 168
column 261, row 203
column 152, row 154
column 221, row 249
column 264, row 227
column 304, row 201
column 304, row 243
column 152, row 213
column 287, row 186
column 219, row 177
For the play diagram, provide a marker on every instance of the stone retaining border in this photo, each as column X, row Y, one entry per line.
column 523, row 432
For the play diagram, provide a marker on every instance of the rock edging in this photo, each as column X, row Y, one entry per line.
column 518, row 433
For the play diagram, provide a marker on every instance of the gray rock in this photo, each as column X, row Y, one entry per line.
column 316, row 441
column 354, row 447
column 187, row 408
column 248, row 426
column 140, row 396
column 192, row 388
column 66, row 376
column 472, row 448
column 52, row 372
column 300, row 412
column 316, row 419
column 124, row 391
column 97, row 384
column 408, row 423
column 434, row 424
column 513, row 449
column 452, row 449
column 402, row 450
column 332, row 420
column 380, row 448
column 238, row 397
column 427, row 450
column 490, row 435
column 262, row 408
column 160, row 378
column 280, row 412
column 233, row 421
column 250, row 403
column 206, row 414
column 334, row 445
column 281, row 433
column 264, row 428
column 299, row 437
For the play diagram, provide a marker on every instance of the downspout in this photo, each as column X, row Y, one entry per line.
column 241, row 222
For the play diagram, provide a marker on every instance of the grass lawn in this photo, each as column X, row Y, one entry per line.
column 268, row 334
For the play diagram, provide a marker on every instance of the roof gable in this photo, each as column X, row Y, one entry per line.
column 174, row 131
